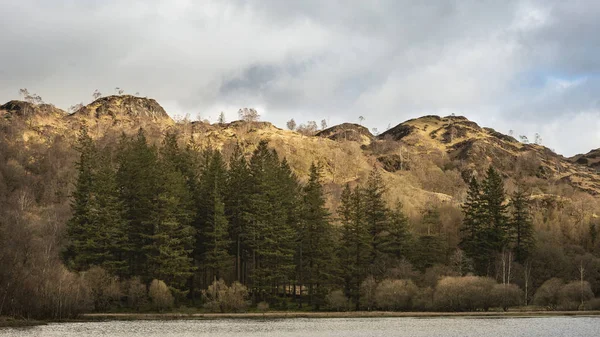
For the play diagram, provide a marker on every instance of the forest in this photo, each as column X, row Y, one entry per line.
column 164, row 225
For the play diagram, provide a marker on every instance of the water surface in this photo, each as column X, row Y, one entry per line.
column 317, row 327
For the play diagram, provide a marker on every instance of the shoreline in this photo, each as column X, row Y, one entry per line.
column 351, row 314
column 101, row 317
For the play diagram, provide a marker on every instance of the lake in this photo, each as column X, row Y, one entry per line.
column 317, row 327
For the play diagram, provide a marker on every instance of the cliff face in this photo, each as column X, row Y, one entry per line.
column 124, row 108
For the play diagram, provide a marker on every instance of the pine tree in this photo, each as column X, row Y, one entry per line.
column 97, row 229
column 399, row 237
column 486, row 224
column 212, row 240
column 356, row 242
column 138, row 180
column 270, row 234
column 171, row 238
column 316, row 241
column 473, row 228
column 79, row 230
column 108, row 219
column 493, row 199
column 521, row 232
column 376, row 212
column 237, row 196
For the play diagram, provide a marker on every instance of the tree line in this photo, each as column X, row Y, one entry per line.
column 189, row 217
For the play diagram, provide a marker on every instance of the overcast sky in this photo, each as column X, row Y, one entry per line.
column 527, row 66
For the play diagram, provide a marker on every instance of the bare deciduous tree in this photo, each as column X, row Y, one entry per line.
column 323, row 124
column 291, row 124
column 248, row 115
column 75, row 108
column 96, row 94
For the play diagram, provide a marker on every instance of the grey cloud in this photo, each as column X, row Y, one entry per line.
column 387, row 60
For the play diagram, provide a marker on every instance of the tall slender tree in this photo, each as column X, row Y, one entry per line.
column 316, row 240
column 521, row 234
column 356, row 242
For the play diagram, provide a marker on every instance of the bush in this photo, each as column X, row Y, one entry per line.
column 463, row 293
column 336, row 300
column 262, row 306
column 506, row 295
column 367, row 293
column 221, row 298
column 105, row 288
column 137, row 294
column 160, row 295
column 423, row 299
column 593, row 304
column 395, row 294
column 571, row 295
column 547, row 293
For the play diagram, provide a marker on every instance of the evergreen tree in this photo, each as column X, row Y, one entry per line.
column 108, row 219
column 356, row 242
column 270, row 235
column 316, row 241
column 96, row 230
column 485, row 226
column 138, row 180
column 472, row 222
column 375, row 213
column 237, row 196
column 212, row 240
column 79, row 229
column 171, row 238
column 521, row 231
column 399, row 237
column 493, row 199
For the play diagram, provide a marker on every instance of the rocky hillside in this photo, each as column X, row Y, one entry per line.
column 462, row 144
column 425, row 160
column 591, row 159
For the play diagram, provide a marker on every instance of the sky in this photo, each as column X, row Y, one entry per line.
column 527, row 66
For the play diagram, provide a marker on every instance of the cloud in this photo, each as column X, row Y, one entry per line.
column 531, row 66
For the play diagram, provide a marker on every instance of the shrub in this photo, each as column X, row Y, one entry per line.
column 571, row 295
column 336, row 300
column 105, row 288
column 547, row 293
column 506, row 295
column 137, row 294
column 262, row 306
column 423, row 299
column 463, row 293
column 367, row 293
column 221, row 298
column 160, row 295
column 593, row 304
column 395, row 294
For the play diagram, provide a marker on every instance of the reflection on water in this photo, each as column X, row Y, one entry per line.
column 313, row 327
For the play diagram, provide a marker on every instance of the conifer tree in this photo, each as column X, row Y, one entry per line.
column 521, row 231
column 356, row 242
column 493, row 199
column 171, row 239
column 399, row 237
column 108, row 221
column 376, row 212
column 270, row 235
column 316, row 240
column 96, row 232
column 212, row 240
column 138, row 181
column 79, row 230
column 237, row 196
